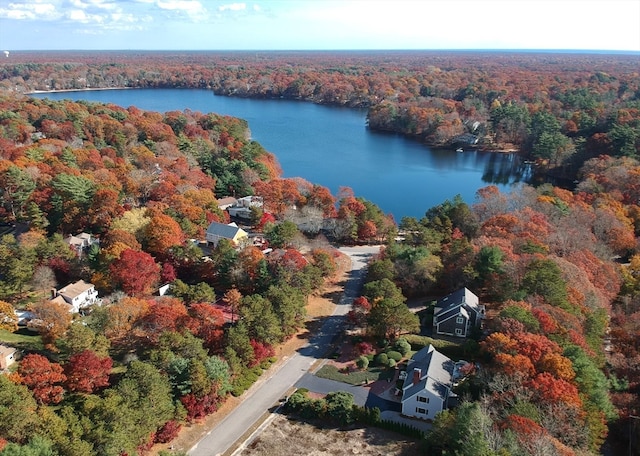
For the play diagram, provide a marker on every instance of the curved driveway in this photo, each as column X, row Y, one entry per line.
column 266, row 392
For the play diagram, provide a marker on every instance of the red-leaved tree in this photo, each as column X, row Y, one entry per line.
column 43, row 378
column 135, row 272
column 86, row 372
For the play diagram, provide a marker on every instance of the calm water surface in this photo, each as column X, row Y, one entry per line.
column 333, row 147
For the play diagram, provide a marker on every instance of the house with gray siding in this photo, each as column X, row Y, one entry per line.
column 457, row 314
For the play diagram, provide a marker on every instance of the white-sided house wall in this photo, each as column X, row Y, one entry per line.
column 78, row 295
column 7, row 356
column 427, row 387
column 423, row 403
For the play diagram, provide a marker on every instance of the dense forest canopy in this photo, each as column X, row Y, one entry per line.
column 558, row 270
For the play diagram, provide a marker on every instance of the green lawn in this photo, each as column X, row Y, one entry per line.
column 356, row 377
column 22, row 339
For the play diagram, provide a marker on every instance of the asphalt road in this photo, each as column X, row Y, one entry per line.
column 267, row 392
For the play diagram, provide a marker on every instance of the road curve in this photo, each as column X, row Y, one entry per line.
column 266, row 392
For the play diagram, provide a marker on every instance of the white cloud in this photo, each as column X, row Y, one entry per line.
column 82, row 17
column 30, row 10
column 99, row 4
column 188, row 5
column 233, row 7
column 190, row 8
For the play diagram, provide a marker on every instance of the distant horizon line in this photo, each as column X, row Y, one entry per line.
column 511, row 50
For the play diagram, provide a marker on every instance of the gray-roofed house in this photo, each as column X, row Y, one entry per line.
column 457, row 314
column 427, row 386
column 232, row 232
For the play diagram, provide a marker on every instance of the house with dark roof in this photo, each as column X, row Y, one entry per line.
column 427, row 387
column 231, row 232
column 457, row 314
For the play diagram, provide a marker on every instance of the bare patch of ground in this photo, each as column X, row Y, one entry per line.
column 286, row 436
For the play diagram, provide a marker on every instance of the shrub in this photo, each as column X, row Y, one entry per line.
column 362, row 362
column 382, row 359
column 391, row 363
column 168, row 432
column 339, row 406
column 244, row 381
column 298, row 400
column 394, row 355
column 402, row 346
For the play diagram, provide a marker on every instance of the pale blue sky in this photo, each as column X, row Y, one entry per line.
column 320, row 24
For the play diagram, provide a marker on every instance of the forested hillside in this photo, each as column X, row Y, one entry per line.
column 558, row 270
column 146, row 186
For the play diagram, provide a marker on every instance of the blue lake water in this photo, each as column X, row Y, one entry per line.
column 333, row 147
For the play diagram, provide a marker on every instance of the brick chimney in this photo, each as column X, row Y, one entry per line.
column 417, row 373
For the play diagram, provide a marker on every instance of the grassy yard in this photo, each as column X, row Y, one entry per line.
column 22, row 339
column 357, row 377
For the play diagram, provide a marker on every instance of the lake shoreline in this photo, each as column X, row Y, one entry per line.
column 88, row 89
column 333, row 148
column 95, row 89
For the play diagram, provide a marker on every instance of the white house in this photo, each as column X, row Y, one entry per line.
column 77, row 295
column 80, row 242
column 7, row 356
column 226, row 203
column 457, row 314
column 427, row 386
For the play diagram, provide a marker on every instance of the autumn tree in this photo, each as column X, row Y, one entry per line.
column 87, row 372
column 51, row 320
column 136, row 273
column 161, row 233
column 233, row 298
column 43, row 378
column 207, row 323
column 121, row 316
column 8, row 317
column 165, row 314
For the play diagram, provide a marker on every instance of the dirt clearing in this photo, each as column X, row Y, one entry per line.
column 284, row 437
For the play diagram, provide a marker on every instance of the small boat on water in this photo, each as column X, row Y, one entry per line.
column 459, row 149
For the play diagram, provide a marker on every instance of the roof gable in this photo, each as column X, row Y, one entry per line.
column 226, row 231
column 432, row 364
column 73, row 290
column 458, row 298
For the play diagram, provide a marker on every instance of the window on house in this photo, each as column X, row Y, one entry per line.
column 421, row 411
column 460, row 320
column 458, row 332
column 423, row 399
